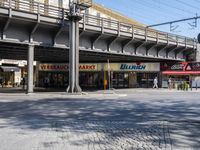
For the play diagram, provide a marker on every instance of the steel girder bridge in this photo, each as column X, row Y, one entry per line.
column 35, row 31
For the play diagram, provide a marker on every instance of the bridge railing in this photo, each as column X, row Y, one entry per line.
column 104, row 23
column 137, row 30
column 34, row 7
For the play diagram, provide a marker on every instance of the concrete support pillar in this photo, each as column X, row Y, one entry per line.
column 30, row 61
column 74, row 58
column 36, row 74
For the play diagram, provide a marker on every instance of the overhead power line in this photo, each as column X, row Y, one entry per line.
column 143, row 6
column 175, row 21
column 172, row 6
column 187, row 4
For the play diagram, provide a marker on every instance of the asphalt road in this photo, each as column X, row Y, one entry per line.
column 121, row 120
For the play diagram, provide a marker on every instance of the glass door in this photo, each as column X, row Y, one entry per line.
column 145, row 80
column 120, row 80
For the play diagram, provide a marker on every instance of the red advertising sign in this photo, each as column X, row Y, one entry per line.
column 181, row 68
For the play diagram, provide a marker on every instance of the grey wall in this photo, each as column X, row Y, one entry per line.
column 198, row 52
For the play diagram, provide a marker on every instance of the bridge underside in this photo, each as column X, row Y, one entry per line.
column 50, row 36
column 49, row 54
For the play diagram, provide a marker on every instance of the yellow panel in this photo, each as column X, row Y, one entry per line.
column 115, row 15
column 46, row 2
column 87, row 3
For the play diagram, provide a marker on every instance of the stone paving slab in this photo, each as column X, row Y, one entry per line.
column 89, row 135
column 99, row 135
column 148, row 121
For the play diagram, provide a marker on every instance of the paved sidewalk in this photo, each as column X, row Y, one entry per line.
column 129, row 119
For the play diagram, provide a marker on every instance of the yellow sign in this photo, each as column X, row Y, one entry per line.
column 65, row 67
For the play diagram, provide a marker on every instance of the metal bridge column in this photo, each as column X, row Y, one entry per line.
column 74, row 58
column 30, row 60
column 74, row 17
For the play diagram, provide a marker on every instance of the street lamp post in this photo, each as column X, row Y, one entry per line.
column 74, row 17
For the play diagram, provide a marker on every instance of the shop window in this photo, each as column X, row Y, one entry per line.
column 145, row 80
column 57, row 80
column 120, row 80
column 8, row 78
column 89, row 79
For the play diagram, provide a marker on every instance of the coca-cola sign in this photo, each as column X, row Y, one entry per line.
column 182, row 66
column 195, row 66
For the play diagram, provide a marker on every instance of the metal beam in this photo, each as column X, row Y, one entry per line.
column 95, row 39
column 6, row 25
column 3, row 36
column 125, row 44
column 57, row 34
column 81, row 33
column 172, row 48
column 160, row 48
column 34, row 29
column 60, row 28
column 110, row 42
column 138, row 45
column 189, row 52
column 149, row 47
column 180, row 51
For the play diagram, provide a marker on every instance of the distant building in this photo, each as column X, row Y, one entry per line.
column 198, row 53
column 96, row 9
column 12, row 71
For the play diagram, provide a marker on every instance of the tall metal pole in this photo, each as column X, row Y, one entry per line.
column 74, row 18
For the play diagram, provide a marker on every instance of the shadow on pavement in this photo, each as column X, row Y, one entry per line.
column 114, row 118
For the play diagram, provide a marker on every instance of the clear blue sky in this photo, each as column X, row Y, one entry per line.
column 157, row 11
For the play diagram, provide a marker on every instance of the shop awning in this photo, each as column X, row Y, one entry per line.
column 9, row 69
column 181, row 72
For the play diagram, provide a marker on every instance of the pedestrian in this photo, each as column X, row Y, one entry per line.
column 46, row 82
column 169, row 82
column 155, row 83
column 1, row 81
column 190, row 82
column 23, row 83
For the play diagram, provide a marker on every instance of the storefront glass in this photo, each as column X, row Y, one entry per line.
column 145, row 80
column 102, row 75
column 56, row 80
column 180, row 72
column 8, row 79
column 120, row 80
column 89, row 80
column 175, row 79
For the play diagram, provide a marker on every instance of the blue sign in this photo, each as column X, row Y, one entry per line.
column 132, row 67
